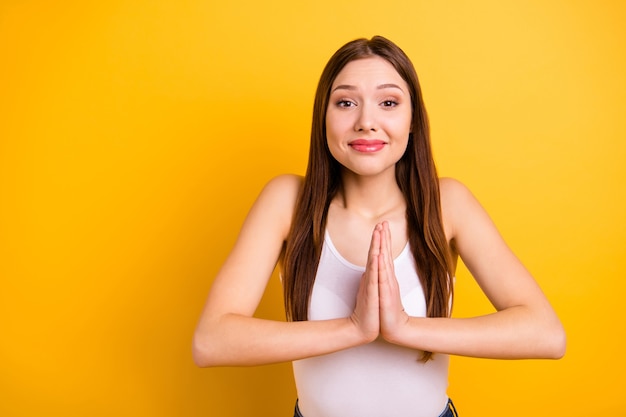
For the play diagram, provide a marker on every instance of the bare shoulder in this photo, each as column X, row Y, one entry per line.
column 457, row 204
column 278, row 198
column 452, row 190
column 286, row 183
column 453, row 193
column 283, row 190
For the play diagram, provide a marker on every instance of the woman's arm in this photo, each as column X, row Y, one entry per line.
column 227, row 333
column 524, row 324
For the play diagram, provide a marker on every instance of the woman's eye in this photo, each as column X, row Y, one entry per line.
column 345, row 103
column 389, row 103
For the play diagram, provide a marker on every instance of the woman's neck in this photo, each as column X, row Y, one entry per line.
column 370, row 196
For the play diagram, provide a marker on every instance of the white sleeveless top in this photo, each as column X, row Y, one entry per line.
column 374, row 380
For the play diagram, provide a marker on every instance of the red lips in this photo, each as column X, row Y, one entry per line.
column 367, row 145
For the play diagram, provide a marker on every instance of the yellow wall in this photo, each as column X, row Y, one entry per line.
column 135, row 134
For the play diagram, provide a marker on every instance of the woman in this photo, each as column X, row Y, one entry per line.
column 368, row 242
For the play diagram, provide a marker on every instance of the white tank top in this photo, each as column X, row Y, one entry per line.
column 374, row 380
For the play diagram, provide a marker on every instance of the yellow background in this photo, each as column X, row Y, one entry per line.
column 134, row 135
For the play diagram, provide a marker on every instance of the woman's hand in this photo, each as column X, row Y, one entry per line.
column 393, row 318
column 379, row 307
column 366, row 313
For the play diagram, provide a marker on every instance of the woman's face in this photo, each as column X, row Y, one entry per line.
column 368, row 119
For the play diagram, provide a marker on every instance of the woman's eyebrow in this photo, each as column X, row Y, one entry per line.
column 383, row 86
column 344, row 87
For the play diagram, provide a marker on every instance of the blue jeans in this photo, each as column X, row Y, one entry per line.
column 450, row 411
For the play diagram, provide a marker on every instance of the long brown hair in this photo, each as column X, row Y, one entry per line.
column 416, row 176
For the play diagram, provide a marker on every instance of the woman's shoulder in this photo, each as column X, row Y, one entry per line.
column 285, row 186
column 457, row 202
column 456, row 195
column 451, row 188
column 278, row 199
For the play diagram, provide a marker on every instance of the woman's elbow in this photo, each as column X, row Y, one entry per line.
column 201, row 353
column 555, row 343
column 559, row 344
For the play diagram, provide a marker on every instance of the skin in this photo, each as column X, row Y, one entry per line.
column 367, row 225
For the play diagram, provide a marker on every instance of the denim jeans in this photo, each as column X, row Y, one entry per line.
column 450, row 411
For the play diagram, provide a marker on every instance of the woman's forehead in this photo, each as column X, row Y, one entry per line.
column 373, row 70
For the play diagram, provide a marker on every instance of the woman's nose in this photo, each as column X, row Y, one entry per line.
column 366, row 119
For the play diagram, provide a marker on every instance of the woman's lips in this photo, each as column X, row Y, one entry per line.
column 367, row 145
